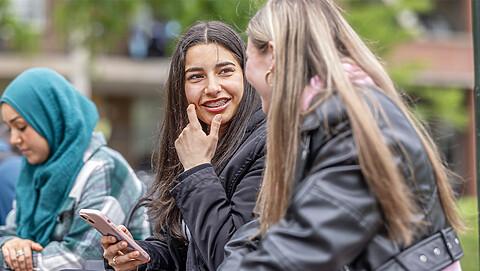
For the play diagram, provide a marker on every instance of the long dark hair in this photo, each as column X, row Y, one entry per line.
column 162, row 210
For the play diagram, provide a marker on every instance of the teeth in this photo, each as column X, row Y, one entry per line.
column 217, row 104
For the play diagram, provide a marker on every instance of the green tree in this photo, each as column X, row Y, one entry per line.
column 380, row 24
column 103, row 27
column 100, row 26
column 236, row 13
column 15, row 34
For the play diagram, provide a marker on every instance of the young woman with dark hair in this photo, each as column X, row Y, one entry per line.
column 210, row 155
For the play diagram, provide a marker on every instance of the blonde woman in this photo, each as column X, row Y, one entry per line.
column 351, row 181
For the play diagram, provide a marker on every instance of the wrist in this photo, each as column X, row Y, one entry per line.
column 192, row 170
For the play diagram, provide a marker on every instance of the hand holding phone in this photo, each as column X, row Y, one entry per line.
column 105, row 226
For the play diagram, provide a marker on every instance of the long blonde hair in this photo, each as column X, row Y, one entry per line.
column 311, row 38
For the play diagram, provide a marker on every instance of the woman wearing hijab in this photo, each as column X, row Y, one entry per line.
column 66, row 167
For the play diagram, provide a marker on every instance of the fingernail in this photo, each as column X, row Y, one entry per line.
column 113, row 239
column 124, row 243
column 136, row 253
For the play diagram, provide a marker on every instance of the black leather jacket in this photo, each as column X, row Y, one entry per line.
column 213, row 206
column 334, row 221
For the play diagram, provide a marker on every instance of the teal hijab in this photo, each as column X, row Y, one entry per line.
column 66, row 119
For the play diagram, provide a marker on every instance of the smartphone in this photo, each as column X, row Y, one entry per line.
column 105, row 226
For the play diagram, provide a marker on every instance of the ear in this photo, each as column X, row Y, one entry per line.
column 271, row 50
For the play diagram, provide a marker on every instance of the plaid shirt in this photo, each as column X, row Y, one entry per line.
column 107, row 183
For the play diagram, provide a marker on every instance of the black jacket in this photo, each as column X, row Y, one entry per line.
column 213, row 206
column 334, row 221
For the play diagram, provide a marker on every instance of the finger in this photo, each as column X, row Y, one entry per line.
column 13, row 258
column 21, row 262
column 192, row 116
column 107, row 241
column 215, row 126
column 6, row 256
column 121, row 261
column 129, row 260
column 122, row 245
column 126, row 264
column 133, row 255
column 125, row 230
column 36, row 247
column 26, row 257
column 111, row 250
column 29, row 259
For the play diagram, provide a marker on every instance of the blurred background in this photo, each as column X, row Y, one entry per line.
column 117, row 53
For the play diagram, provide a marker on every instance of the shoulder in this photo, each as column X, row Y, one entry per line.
column 254, row 144
column 115, row 165
column 100, row 154
column 332, row 111
column 107, row 165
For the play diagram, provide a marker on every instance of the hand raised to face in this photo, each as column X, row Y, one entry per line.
column 193, row 145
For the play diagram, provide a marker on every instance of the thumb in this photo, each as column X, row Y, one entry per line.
column 215, row 126
column 36, row 246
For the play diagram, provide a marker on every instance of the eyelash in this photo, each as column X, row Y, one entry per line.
column 194, row 76
column 21, row 129
column 198, row 76
column 227, row 70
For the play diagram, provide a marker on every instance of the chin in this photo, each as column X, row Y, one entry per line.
column 34, row 161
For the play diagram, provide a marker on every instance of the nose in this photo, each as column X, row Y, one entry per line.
column 213, row 86
column 15, row 139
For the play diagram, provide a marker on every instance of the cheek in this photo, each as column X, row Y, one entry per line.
column 192, row 93
column 44, row 150
column 235, row 87
column 254, row 76
column 249, row 72
column 39, row 143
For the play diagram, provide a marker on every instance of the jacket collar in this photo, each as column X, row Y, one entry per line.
column 255, row 119
column 311, row 121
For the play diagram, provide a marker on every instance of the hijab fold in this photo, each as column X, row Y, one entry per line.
column 66, row 119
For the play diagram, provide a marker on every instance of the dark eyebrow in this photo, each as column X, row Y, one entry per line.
column 14, row 119
column 194, row 69
column 221, row 64
column 226, row 63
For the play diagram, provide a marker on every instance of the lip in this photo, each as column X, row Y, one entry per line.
column 24, row 152
column 218, row 108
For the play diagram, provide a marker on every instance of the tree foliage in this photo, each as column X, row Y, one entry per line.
column 103, row 26
column 380, row 24
column 236, row 13
column 98, row 25
column 15, row 34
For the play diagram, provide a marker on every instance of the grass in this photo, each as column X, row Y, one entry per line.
column 469, row 239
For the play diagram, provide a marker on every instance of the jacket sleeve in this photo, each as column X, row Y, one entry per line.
column 330, row 219
column 211, row 217
column 160, row 256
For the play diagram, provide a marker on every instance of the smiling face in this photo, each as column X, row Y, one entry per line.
column 213, row 82
column 24, row 137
